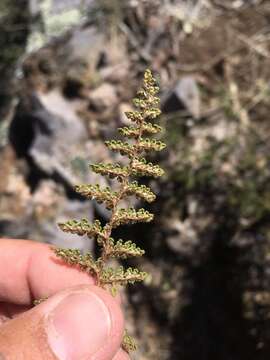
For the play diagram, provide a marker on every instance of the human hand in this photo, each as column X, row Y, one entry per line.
column 79, row 321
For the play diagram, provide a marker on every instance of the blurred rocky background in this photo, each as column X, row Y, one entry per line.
column 68, row 70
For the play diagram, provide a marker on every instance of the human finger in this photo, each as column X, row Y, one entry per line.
column 30, row 270
column 83, row 322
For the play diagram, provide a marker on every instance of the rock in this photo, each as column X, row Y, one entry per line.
column 58, row 6
column 36, row 217
column 53, row 135
column 103, row 97
column 50, row 206
column 48, row 150
column 34, row 8
column 115, row 73
column 183, row 237
column 184, row 96
column 83, row 53
column 55, row 18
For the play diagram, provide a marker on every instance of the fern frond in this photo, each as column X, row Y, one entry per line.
column 120, row 276
column 124, row 148
column 125, row 249
column 143, row 117
column 95, row 192
column 128, row 344
column 111, row 170
column 131, row 216
column 150, row 145
column 134, row 131
column 140, row 191
column 135, row 116
column 146, row 95
column 152, row 113
column 82, row 227
column 143, row 168
column 85, row 262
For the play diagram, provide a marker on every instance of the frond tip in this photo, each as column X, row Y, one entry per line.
column 128, row 344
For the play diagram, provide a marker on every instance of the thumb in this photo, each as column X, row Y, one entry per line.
column 81, row 323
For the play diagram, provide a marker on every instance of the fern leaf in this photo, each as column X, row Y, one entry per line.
column 143, row 168
column 152, row 113
column 123, row 147
column 140, row 191
column 111, row 170
column 135, row 116
column 128, row 344
column 150, row 145
column 82, row 227
column 119, row 276
column 125, row 249
column 134, row 131
column 94, row 192
column 74, row 257
column 131, row 216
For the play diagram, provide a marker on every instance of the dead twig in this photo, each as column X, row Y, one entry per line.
column 133, row 41
column 255, row 47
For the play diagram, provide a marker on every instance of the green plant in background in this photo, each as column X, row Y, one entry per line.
column 133, row 149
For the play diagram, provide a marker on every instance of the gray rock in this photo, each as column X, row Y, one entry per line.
column 54, row 148
column 34, row 7
column 58, row 6
column 85, row 48
column 182, row 237
column 54, row 135
column 184, row 96
column 38, row 216
column 74, row 209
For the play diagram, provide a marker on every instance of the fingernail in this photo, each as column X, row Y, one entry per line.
column 79, row 326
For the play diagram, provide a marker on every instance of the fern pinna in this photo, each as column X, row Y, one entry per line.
column 136, row 145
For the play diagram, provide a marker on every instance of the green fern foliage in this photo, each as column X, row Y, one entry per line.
column 135, row 147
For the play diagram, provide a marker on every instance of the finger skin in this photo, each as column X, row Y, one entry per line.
column 32, row 271
column 25, row 336
column 121, row 355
